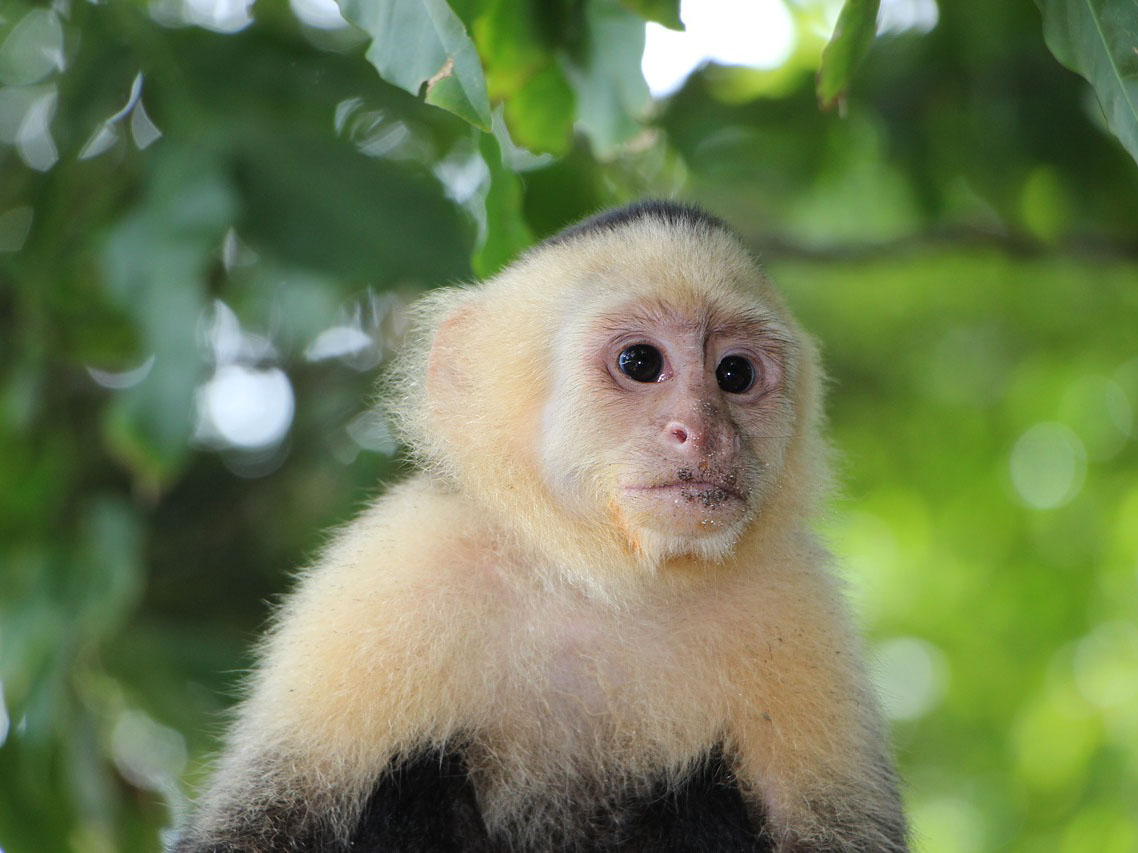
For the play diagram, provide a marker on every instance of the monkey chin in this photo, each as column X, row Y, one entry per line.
column 688, row 519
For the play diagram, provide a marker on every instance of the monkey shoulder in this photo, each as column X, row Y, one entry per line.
column 367, row 662
column 366, row 647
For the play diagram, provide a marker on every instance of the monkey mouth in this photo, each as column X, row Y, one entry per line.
column 707, row 494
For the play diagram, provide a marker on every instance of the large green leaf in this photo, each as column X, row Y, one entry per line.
column 853, row 34
column 422, row 42
column 1099, row 40
column 540, row 114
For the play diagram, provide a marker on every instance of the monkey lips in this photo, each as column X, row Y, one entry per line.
column 689, row 502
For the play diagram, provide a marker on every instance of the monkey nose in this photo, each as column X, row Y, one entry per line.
column 684, row 437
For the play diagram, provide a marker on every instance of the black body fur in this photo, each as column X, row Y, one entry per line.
column 429, row 805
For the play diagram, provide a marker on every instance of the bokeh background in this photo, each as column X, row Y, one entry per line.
column 212, row 217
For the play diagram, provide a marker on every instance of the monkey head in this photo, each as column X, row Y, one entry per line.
column 636, row 383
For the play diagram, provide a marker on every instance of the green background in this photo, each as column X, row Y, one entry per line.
column 961, row 236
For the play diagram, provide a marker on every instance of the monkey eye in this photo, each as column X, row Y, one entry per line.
column 735, row 374
column 641, row 363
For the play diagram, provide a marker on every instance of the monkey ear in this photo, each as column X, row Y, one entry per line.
column 449, row 375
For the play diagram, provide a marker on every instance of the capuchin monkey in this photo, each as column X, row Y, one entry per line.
column 598, row 617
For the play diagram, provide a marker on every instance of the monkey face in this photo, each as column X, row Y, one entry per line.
column 678, row 420
column 620, row 398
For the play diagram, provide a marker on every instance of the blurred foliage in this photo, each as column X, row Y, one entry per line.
column 854, row 32
column 211, row 218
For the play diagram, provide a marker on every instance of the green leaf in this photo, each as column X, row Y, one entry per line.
column 540, row 114
column 525, row 76
column 510, row 44
column 853, row 34
column 423, row 42
column 666, row 12
column 1098, row 39
column 507, row 234
column 612, row 95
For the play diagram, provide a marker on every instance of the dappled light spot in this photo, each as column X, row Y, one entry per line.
column 319, row 14
column 142, row 129
column 382, row 139
column 235, row 253
column 5, row 720
column 899, row 16
column 1048, row 464
column 911, row 674
column 221, row 334
column 33, row 138
column 148, row 754
column 118, row 380
column 15, row 101
column 33, row 49
column 338, row 342
column 756, row 34
column 244, row 407
column 370, row 431
column 369, row 324
column 1106, row 665
column 101, row 141
column 252, row 463
column 378, row 134
column 224, row 16
column 462, row 172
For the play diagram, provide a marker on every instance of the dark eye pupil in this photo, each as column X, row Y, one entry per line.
column 735, row 374
column 641, row 363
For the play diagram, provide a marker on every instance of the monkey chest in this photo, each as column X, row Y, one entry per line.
column 575, row 683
